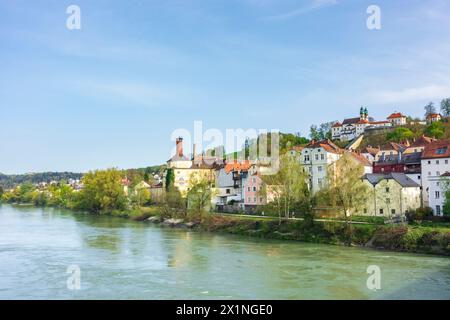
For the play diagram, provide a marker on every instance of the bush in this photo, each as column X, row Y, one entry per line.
column 419, row 214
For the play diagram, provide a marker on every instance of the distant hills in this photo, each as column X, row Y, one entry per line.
column 9, row 181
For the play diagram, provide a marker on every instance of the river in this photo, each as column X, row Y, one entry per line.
column 122, row 259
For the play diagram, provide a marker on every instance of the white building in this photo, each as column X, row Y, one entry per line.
column 435, row 164
column 316, row 157
column 397, row 119
column 351, row 128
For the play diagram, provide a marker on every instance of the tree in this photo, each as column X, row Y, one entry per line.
column 140, row 196
column 1, row 192
column 102, row 192
column 435, row 129
column 200, row 192
column 288, row 188
column 314, row 133
column 400, row 134
column 429, row 109
column 445, row 107
column 170, row 178
column 322, row 132
column 345, row 188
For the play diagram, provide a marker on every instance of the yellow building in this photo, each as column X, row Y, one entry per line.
column 391, row 194
column 184, row 168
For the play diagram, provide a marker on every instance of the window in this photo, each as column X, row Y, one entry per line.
column 429, row 173
column 437, row 194
column 322, row 157
column 254, row 180
column 381, row 211
column 437, row 161
column 365, row 210
column 388, row 200
column 438, row 173
column 387, row 190
column 260, row 199
column 438, row 210
column 429, row 162
column 228, row 191
column 319, row 168
column 307, row 158
column 248, row 189
column 441, row 150
column 418, row 177
column 254, row 188
column 254, row 199
column 317, row 157
column 392, row 211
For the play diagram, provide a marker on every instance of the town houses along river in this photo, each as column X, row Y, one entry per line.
column 42, row 250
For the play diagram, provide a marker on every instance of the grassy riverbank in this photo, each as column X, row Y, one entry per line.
column 414, row 238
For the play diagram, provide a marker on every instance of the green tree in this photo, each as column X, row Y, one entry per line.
column 170, row 179
column 445, row 107
column 400, row 134
column 435, row 129
column 200, row 192
column 345, row 188
column 288, row 188
column 1, row 192
column 102, row 192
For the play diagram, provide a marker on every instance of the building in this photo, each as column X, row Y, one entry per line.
column 434, row 163
column 316, row 158
column 388, row 150
column 391, row 194
column 433, row 117
column 370, row 153
column 252, row 192
column 438, row 186
column 397, row 119
column 351, row 128
column 184, row 168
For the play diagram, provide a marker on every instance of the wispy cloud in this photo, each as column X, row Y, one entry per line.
column 429, row 92
column 314, row 5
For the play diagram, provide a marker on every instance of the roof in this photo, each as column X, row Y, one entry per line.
column 327, row 145
column 393, row 146
column 351, row 120
column 422, row 141
column 434, row 115
column 337, row 124
column 401, row 178
column 437, row 149
column 396, row 115
column 237, row 166
column 297, row 148
column 360, row 158
column 445, row 174
column 177, row 157
column 371, row 150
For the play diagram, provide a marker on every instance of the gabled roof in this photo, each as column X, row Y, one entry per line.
column 438, row 149
column 422, row 141
column 434, row 115
column 371, row 150
column 401, row 178
column 396, row 115
column 327, row 145
column 392, row 146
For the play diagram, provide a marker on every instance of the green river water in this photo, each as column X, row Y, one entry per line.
column 123, row 259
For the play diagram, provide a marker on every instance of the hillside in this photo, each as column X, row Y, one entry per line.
column 10, row 181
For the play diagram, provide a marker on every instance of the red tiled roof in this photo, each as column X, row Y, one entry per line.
column 434, row 115
column 370, row 150
column 396, row 115
column 237, row 166
column 337, row 124
column 327, row 145
column 423, row 141
column 297, row 148
column 438, row 149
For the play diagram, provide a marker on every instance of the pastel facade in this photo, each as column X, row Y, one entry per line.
column 391, row 194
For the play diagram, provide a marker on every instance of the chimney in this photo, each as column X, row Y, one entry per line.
column 194, row 151
column 179, row 142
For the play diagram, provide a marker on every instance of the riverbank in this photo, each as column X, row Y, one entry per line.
column 415, row 239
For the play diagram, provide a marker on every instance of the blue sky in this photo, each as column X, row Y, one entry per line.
column 111, row 94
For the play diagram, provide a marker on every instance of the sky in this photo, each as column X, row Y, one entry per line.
column 112, row 93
